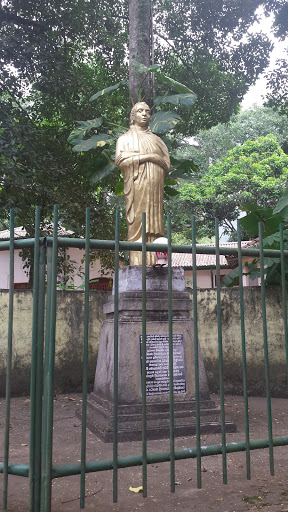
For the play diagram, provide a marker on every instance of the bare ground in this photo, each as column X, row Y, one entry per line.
column 261, row 492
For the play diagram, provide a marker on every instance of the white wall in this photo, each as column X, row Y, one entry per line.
column 76, row 255
column 20, row 276
column 19, row 273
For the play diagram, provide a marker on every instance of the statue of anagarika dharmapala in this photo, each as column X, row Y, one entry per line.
column 144, row 160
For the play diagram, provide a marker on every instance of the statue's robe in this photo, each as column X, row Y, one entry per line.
column 143, row 186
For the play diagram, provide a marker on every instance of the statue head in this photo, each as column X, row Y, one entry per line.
column 140, row 114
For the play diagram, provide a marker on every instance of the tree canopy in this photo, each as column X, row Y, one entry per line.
column 277, row 82
column 209, row 146
column 55, row 55
column 255, row 172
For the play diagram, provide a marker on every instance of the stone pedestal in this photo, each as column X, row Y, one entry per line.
column 100, row 401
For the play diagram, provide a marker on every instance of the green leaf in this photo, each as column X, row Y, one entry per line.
column 141, row 68
column 170, row 191
column 168, row 181
column 282, row 206
column 259, row 210
column 184, row 168
column 95, row 141
column 107, row 90
column 83, row 127
column 162, row 122
column 272, row 224
column 105, row 171
column 232, row 278
column 250, row 223
column 119, row 189
column 269, row 262
column 270, row 240
column 185, row 100
column 177, row 86
column 273, row 276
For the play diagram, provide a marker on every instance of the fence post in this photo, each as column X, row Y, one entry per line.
column 9, row 364
column 48, row 391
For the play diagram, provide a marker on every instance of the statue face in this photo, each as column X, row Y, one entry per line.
column 142, row 114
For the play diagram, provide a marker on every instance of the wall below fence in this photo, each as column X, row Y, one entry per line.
column 69, row 339
column 231, row 337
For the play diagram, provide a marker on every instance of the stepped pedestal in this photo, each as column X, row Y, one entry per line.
column 100, row 401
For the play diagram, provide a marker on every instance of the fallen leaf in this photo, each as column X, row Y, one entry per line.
column 136, row 489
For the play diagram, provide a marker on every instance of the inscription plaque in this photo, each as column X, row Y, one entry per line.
column 157, row 364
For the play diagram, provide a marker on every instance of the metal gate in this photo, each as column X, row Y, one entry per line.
column 40, row 469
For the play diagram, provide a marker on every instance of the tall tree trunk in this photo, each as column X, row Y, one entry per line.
column 140, row 49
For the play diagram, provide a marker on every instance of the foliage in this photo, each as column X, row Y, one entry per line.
column 277, row 78
column 270, row 221
column 54, row 55
column 277, row 84
column 254, row 172
column 212, row 145
column 62, row 54
column 205, row 48
column 162, row 121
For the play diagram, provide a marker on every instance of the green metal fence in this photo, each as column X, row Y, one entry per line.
column 40, row 469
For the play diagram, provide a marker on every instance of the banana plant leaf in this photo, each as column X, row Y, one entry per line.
column 107, row 90
column 83, row 128
column 162, row 122
column 95, row 141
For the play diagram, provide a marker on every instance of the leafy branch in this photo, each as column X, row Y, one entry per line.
column 86, row 136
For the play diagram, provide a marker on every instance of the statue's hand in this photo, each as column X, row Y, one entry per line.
column 127, row 154
column 156, row 159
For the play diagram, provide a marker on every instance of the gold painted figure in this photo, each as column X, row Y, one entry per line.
column 144, row 160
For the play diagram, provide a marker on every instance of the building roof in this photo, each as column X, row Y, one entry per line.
column 21, row 232
column 204, row 260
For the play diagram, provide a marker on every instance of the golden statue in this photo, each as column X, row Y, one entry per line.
column 144, row 160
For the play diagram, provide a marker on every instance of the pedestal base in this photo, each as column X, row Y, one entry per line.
column 100, row 402
column 100, row 419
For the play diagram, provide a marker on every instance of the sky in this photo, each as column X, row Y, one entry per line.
column 256, row 92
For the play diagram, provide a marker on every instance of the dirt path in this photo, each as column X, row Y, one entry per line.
column 261, row 492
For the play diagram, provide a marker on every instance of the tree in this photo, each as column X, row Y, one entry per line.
column 140, row 49
column 255, row 172
column 212, row 145
column 270, row 221
column 277, row 85
column 277, row 79
column 51, row 58
column 54, row 55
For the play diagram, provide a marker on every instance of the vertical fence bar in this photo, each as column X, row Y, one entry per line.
column 220, row 352
column 266, row 353
column 144, row 405
column 115, row 404
column 244, row 359
column 45, row 379
column 34, row 360
column 171, row 365
column 9, row 365
column 196, row 355
column 39, row 376
column 85, row 362
column 284, row 294
column 49, row 379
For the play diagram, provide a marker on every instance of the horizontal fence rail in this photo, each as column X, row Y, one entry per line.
column 80, row 243
column 40, row 470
